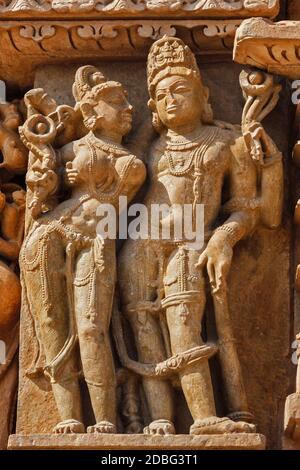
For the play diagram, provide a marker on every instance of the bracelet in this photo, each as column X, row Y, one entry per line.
column 234, row 236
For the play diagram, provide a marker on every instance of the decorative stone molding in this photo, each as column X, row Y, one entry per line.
column 24, row 45
column 112, row 8
column 274, row 47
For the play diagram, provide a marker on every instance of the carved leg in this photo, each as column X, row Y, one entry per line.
column 93, row 293
column 184, row 314
column 46, row 290
column 185, row 301
column 138, row 273
column 150, row 349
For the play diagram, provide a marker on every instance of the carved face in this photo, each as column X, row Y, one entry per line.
column 178, row 101
column 114, row 112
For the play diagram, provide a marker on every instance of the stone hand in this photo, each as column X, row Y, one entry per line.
column 259, row 144
column 217, row 258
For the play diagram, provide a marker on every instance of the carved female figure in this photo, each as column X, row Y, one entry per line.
column 192, row 162
column 68, row 272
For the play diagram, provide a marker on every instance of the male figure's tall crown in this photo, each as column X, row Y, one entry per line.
column 169, row 56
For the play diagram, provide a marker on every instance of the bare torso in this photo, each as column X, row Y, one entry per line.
column 173, row 175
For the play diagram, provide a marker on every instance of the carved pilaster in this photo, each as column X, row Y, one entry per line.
column 275, row 47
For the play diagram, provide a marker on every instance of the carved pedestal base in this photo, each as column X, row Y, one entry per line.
column 137, row 442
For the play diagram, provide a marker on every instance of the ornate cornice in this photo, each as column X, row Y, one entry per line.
column 36, row 32
column 26, row 45
column 137, row 8
column 274, row 47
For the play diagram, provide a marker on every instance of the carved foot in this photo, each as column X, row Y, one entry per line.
column 161, row 427
column 103, row 427
column 214, row 425
column 292, row 417
column 69, row 426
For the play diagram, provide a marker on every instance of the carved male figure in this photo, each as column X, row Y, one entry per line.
column 162, row 282
column 69, row 272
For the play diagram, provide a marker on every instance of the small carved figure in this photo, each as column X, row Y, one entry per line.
column 14, row 154
column 12, row 215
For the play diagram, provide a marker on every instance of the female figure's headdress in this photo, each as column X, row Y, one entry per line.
column 89, row 83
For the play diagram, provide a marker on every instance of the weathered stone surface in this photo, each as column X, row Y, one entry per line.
column 269, row 46
column 113, row 442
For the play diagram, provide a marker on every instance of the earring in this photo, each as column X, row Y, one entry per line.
column 156, row 123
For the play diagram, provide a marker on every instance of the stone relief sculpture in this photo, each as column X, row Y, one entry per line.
column 192, row 339
column 12, row 212
column 236, row 173
column 68, row 272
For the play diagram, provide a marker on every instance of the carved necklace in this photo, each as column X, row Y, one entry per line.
column 110, row 148
column 195, row 164
column 177, row 143
column 114, row 195
column 200, row 148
